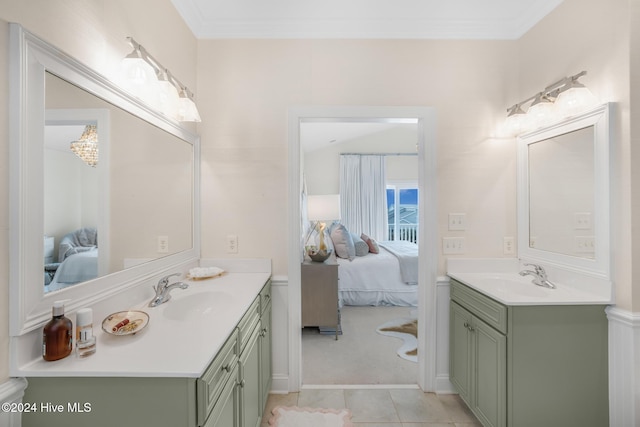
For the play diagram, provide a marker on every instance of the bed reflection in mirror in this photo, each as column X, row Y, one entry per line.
column 106, row 209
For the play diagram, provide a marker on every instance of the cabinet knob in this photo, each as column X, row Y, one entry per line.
column 242, row 383
column 469, row 327
column 226, row 368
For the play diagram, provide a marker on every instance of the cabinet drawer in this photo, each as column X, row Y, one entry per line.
column 211, row 383
column 487, row 309
column 224, row 411
column 248, row 323
column 265, row 296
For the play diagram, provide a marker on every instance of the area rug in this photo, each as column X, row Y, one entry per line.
column 294, row 416
column 406, row 329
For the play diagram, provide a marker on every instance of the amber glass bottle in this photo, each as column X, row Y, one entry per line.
column 57, row 335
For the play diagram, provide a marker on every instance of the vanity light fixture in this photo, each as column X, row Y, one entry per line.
column 145, row 78
column 564, row 98
column 87, row 146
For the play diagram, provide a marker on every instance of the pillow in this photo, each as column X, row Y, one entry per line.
column 373, row 245
column 342, row 242
column 362, row 248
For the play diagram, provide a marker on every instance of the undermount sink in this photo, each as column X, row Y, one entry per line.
column 196, row 306
column 511, row 283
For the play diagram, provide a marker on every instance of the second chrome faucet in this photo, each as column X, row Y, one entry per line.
column 163, row 289
column 539, row 276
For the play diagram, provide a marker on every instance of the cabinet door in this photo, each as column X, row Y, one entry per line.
column 460, row 351
column 224, row 412
column 265, row 356
column 250, row 409
column 489, row 374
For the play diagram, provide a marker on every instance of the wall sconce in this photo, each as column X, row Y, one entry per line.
column 564, row 98
column 145, row 78
column 87, row 146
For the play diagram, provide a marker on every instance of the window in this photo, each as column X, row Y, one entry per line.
column 402, row 211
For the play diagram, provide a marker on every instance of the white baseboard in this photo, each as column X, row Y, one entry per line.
column 12, row 391
column 280, row 384
column 624, row 367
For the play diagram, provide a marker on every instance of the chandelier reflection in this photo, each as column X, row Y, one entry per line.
column 87, row 146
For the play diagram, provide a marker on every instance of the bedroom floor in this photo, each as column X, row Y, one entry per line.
column 360, row 356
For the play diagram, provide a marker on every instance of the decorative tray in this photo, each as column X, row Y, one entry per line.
column 125, row 322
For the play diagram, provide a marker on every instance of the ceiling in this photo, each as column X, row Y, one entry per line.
column 363, row 19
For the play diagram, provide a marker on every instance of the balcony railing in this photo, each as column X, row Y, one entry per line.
column 407, row 232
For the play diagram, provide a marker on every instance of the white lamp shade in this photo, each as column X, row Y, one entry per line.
column 139, row 79
column 574, row 101
column 187, row 110
column 168, row 99
column 324, row 207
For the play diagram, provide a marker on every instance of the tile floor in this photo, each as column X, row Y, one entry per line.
column 383, row 407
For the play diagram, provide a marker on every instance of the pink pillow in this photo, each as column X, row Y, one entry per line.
column 373, row 245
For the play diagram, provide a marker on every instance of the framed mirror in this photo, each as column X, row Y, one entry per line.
column 563, row 193
column 89, row 222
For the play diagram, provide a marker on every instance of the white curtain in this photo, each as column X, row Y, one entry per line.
column 363, row 194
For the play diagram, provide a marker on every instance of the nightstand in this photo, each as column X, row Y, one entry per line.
column 320, row 305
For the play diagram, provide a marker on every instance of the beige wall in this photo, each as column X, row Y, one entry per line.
column 247, row 86
column 95, row 33
column 595, row 36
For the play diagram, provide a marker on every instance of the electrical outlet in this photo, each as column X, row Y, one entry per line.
column 508, row 246
column 232, row 244
column 582, row 221
column 163, row 244
column 453, row 245
column 585, row 244
column 533, row 241
column 457, row 222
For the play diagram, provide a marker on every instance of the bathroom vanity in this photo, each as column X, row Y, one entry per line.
column 203, row 360
column 522, row 355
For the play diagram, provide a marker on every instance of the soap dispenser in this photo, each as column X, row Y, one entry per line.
column 57, row 335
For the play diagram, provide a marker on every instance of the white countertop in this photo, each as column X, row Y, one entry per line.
column 499, row 280
column 175, row 343
column 513, row 289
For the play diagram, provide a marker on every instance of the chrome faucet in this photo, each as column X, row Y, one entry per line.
column 163, row 289
column 540, row 276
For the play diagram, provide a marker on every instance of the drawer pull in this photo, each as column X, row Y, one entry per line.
column 242, row 383
column 267, row 296
column 263, row 332
column 469, row 327
column 227, row 367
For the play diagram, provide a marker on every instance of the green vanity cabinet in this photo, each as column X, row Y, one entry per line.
column 230, row 393
column 529, row 365
column 265, row 345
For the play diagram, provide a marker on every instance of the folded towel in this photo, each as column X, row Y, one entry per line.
column 204, row 272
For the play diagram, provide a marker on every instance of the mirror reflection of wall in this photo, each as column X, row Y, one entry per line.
column 561, row 192
column 141, row 190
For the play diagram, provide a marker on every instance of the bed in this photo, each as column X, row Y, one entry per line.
column 77, row 259
column 389, row 277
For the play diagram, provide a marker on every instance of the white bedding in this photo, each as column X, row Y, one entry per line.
column 374, row 279
column 76, row 268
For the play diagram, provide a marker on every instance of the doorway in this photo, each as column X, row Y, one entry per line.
column 424, row 118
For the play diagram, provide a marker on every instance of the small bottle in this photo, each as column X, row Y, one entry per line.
column 57, row 335
column 85, row 340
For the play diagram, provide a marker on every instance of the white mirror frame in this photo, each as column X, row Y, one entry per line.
column 30, row 307
column 599, row 266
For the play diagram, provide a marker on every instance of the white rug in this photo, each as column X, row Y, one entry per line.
column 293, row 416
column 408, row 350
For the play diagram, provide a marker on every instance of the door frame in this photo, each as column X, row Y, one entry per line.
column 428, row 213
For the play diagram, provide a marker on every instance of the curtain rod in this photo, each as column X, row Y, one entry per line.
column 378, row 154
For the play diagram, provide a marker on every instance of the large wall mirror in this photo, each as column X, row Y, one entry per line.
column 563, row 193
column 104, row 190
